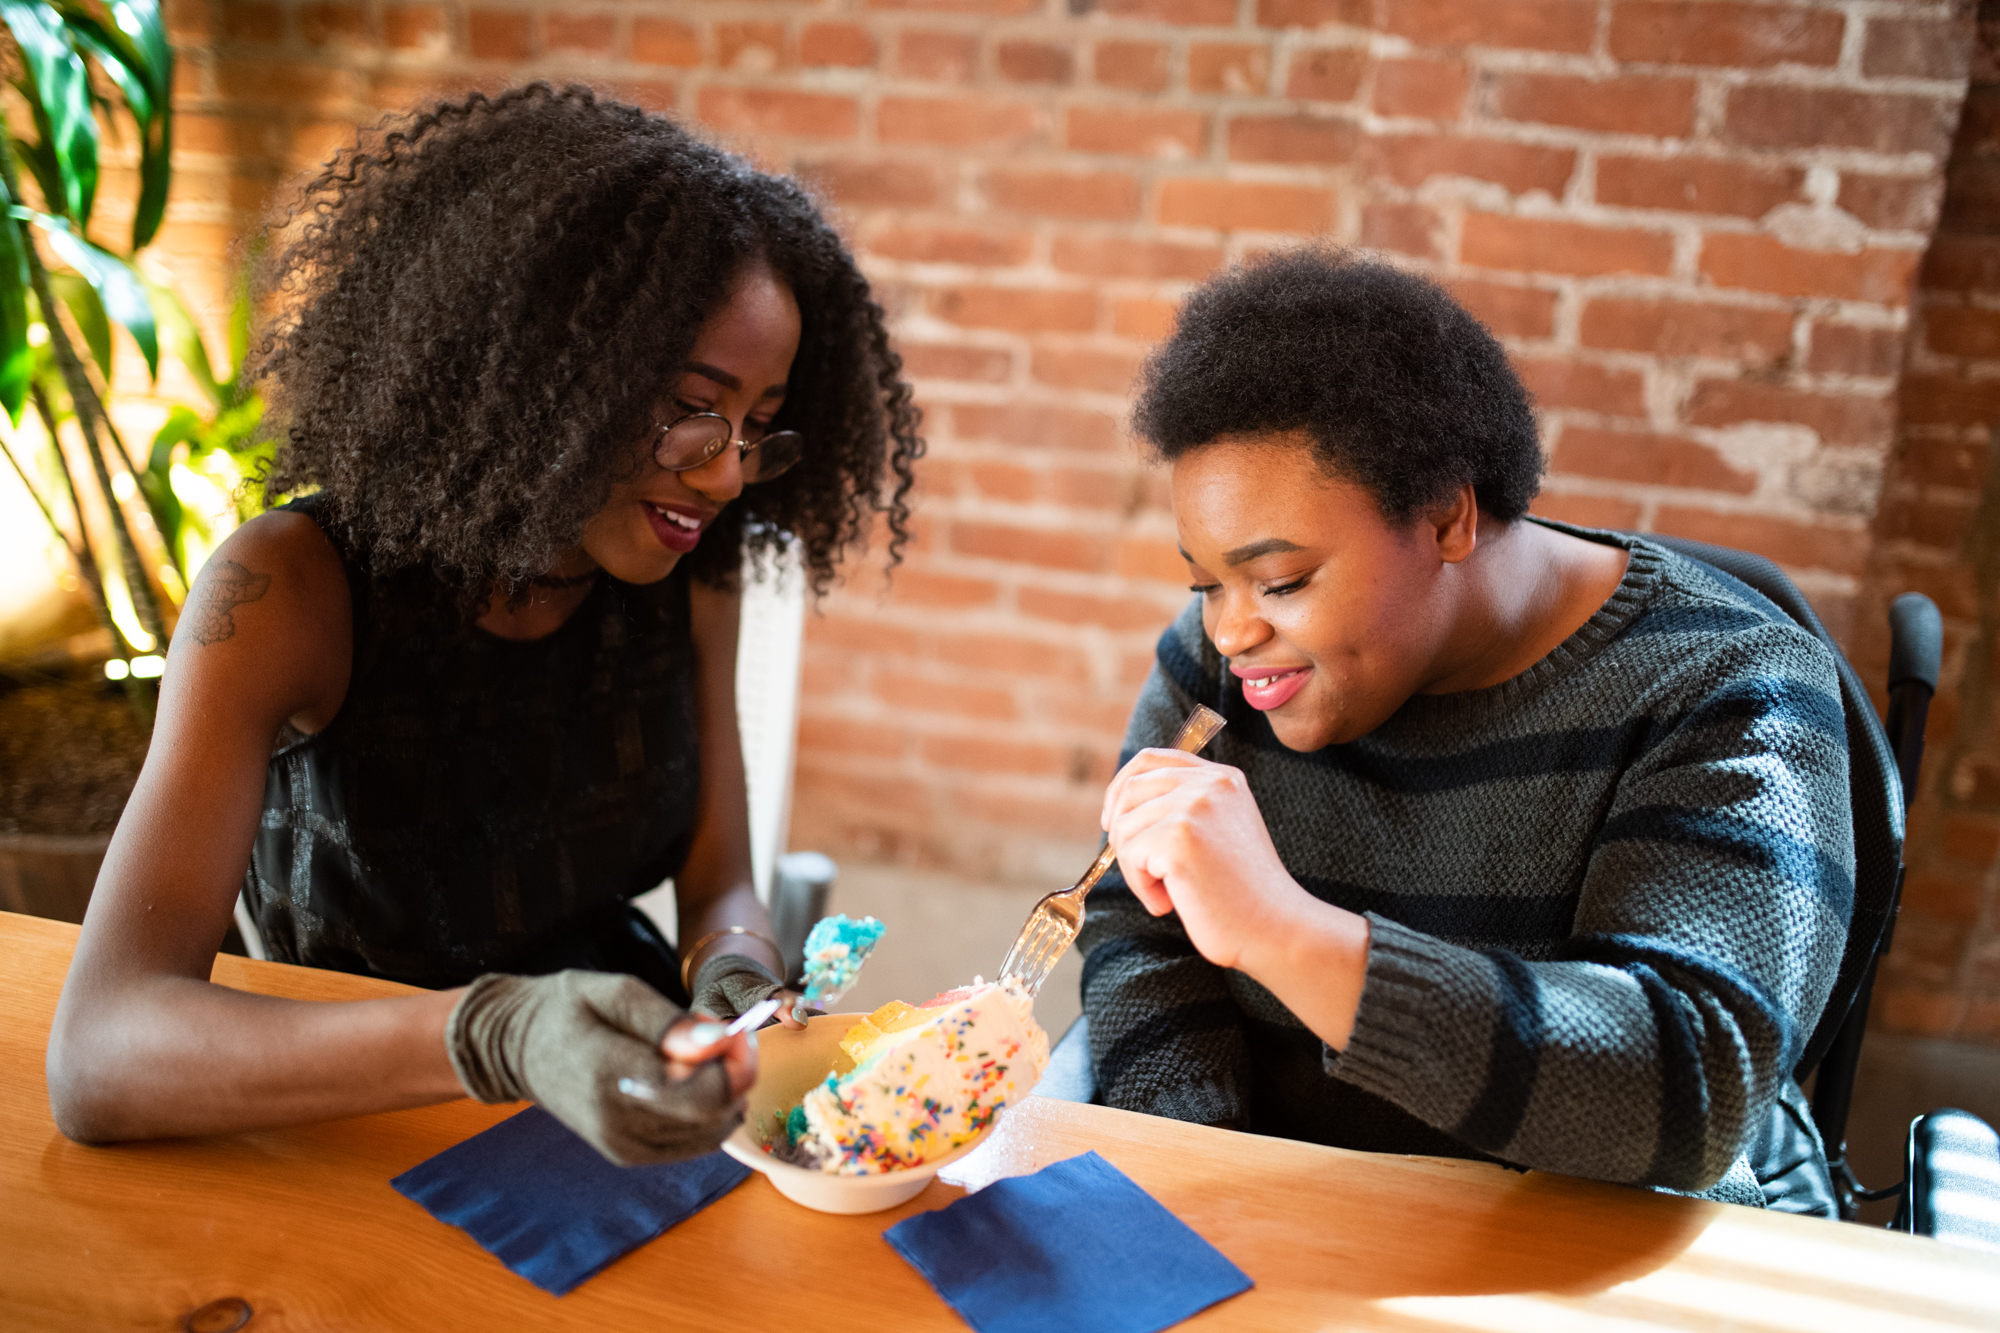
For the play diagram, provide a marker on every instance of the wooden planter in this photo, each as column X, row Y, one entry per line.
column 49, row 876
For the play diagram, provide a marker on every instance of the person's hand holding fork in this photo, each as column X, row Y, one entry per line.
column 1191, row 840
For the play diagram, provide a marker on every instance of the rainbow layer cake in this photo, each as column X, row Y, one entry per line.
column 917, row 1082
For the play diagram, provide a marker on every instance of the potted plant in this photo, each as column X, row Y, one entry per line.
column 134, row 527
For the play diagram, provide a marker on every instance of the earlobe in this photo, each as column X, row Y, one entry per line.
column 1458, row 526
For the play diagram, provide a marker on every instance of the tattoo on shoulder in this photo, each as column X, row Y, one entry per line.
column 225, row 585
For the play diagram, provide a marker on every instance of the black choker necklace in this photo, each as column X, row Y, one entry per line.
column 552, row 581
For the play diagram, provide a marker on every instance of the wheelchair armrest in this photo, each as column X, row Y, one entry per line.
column 800, row 885
column 1069, row 1077
column 1952, row 1192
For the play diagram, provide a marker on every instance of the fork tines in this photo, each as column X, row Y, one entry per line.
column 1034, row 955
column 1053, row 926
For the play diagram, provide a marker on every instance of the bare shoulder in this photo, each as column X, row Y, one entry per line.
column 271, row 606
column 277, row 555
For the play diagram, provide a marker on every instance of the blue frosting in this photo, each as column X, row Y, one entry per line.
column 835, row 951
column 859, row 936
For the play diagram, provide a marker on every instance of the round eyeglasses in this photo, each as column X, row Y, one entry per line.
column 690, row 441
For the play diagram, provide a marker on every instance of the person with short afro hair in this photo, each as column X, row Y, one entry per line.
column 1523, row 841
column 1398, row 387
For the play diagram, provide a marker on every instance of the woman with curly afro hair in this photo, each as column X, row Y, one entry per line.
column 547, row 370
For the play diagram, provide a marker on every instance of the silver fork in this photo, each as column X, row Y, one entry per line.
column 1053, row 925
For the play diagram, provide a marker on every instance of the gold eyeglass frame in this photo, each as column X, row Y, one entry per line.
column 743, row 446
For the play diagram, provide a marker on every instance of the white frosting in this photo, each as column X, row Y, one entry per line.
column 922, row 1092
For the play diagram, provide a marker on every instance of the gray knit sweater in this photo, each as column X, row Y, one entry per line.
column 1607, row 901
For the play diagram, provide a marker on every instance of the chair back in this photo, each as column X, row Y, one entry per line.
column 1873, row 783
column 768, row 648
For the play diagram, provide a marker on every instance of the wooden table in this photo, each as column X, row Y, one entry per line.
column 302, row 1224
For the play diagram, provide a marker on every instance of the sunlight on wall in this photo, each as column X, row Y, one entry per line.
column 123, row 613
column 43, row 599
column 32, row 562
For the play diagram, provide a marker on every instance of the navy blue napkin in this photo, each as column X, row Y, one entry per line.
column 1076, row 1246
column 544, row 1203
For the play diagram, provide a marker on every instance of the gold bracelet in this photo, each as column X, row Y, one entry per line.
column 687, row 960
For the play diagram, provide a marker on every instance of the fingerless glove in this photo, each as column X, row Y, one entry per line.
column 586, row 1047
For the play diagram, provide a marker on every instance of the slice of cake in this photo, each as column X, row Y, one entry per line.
column 925, row 1080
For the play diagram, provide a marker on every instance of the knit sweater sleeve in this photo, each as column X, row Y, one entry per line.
column 1165, row 1036
column 1710, row 925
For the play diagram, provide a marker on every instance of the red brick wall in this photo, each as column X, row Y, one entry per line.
column 1694, row 223
column 1938, row 531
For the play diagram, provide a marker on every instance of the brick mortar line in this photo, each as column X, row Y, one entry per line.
column 876, row 89
column 1717, row 503
column 865, row 709
column 1971, row 370
column 1766, row 501
column 1786, row 74
column 1005, row 615
column 933, row 726
column 1095, row 747
column 1904, row 550
column 1116, row 27
column 1034, row 633
column 1015, row 574
column 1005, row 612
column 1120, row 648
column 1020, row 690
column 948, row 780
column 1480, row 64
column 1932, row 493
column 1664, row 287
column 1844, row 160
column 1913, row 164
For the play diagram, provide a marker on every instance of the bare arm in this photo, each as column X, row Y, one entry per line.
column 144, row 1045
column 715, row 889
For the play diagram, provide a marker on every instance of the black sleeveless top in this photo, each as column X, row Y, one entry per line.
column 477, row 799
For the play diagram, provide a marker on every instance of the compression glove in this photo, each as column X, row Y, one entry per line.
column 729, row 984
column 586, row 1046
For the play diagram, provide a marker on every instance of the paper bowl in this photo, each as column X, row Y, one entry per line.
column 788, row 1063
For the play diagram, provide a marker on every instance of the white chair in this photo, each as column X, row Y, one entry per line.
column 767, row 704
column 794, row 886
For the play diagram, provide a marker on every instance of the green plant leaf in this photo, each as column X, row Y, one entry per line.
column 95, row 39
column 117, row 286
column 234, row 431
column 88, row 311
column 175, row 520
column 117, row 53
column 60, row 95
column 231, row 431
column 144, row 76
column 156, row 487
column 182, row 426
column 239, row 317
column 183, row 339
column 140, row 21
column 37, row 156
column 17, row 357
column 156, row 174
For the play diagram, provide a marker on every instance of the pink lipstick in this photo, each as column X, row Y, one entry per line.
column 1265, row 688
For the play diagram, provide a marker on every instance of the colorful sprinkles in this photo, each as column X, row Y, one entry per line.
column 929, row 1091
